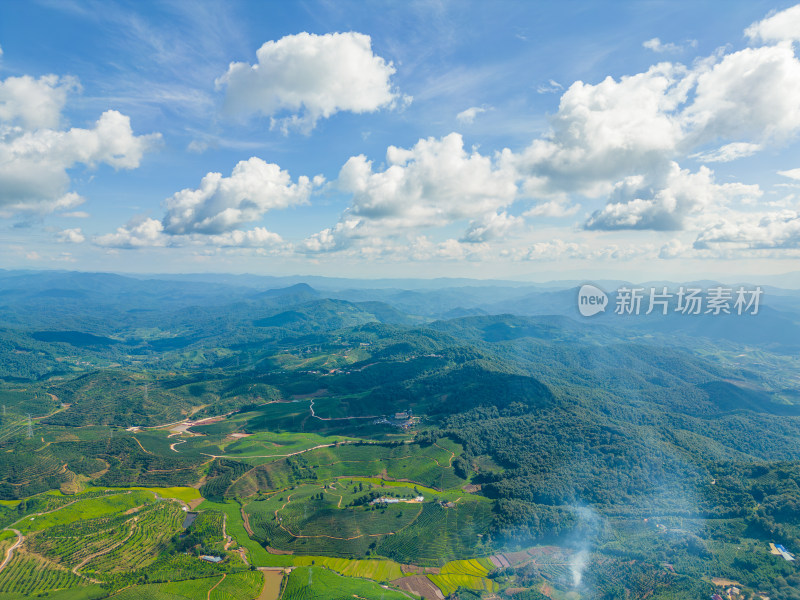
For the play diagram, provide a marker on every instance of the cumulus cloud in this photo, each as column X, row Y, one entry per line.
column 736, row 98
column 308, row 77
column 640, row 123
column 492, row 227
column 72, row 236
column 620, row 138
column 36, row 152
column 778, row 27
column 603, row 132
column 149, row 233
column 257, row 237
column 222, row 204
column 728, row 152
column 34, row 163
column 34, row 103
column 433, row 184
column 213, row 213
column 468, row 116
column 659, row 47
column 664, row 203
column 139, row 233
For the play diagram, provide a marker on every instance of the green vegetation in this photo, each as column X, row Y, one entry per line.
column 29, row 575
column 377, row 570
column 312, row 583
column 85, row 509
column 667, row 461
column 469, row 574
column 238, row 586
column 256, row 553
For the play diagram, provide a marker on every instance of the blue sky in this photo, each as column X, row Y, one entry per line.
column 516, row 139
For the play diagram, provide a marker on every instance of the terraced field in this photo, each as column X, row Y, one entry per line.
column 149, row 535
column 470, row 574
column 30, row 575
column 440, row 534
column 83, row 509
column 105, row 537
column 321, row 519
column 314, row 583
column 237, row 586
column 377, row 570
column 427, row 466
column 235, row 526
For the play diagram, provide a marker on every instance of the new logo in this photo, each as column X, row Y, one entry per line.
column 591, row 300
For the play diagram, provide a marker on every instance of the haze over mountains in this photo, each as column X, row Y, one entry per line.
column 114, row 303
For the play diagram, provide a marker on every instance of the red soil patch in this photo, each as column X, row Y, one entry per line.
column 421, row 586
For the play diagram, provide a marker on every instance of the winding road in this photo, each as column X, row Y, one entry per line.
column 10, row 551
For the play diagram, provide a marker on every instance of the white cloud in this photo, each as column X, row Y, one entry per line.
column 791, row 174
column 222, row 204
column 76, row 214
column 777, row 27
column 139, row 233
column 621, row 138
column 493, row 226
column 674, row 249
column 558, row 249
column 149, row 233
column 659, row 47
column 72, row 236
column 415, row 248
column 34, row 103
column 758, row 232
column 554, row 249
column 213, row 213
column 310, row 77
column 330, row 239
column 618, row 138
column 667, row 202
column 728, row 152
column 753, row 94
column 468, row 116
column 606, row 131
column 422, row 248
column 33, row 164
column 433, row 184
column 258, row 237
